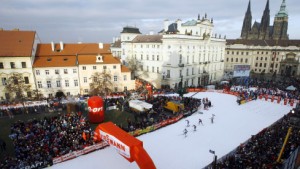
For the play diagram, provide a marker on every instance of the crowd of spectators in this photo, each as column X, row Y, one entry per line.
column 262, row 149
column 39, row 141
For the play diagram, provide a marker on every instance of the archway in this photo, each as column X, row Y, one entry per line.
column 128, row 146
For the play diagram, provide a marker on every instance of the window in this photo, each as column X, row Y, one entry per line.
column 65, row 71
column 266, row 58
column 261, row 58
column 147, row 57
column 256, row 58
column 227, row 52
column 180, row 59
column 104, row 67
column 1, row 65
column 192, row 71
column 242, row 53
column 85, row 79
column 125, row 77
column 246, row 60
column 153, row 57
column 37, row 72
column 187, row 72
column 256, row 64
column 153, row 69
column 3, row 79
column 76, row 83
column 67, row 83
column 236, row 59
column 265, row 64
column 187, row 59
column 115, row 78
column 12, row 65
column 23, row 64
column 48, row 84
column 242, row 60
column 26, row 80
column 58, row 83
column 141, row 57
column 227, row 59
column 83, row 67
column 94, row 67
column 68, row 93
column 116, row 89
column 231, row 59
column 39, row 84
column 47, row 72
column 114, row 67
column 232, row 52
column 157, row 57
column 147, row 68
column 95, row 79
column 29, row 94
column 260, row 64
column 57, row 71
column 86, row 90
column 74, row 70
column 157, row 70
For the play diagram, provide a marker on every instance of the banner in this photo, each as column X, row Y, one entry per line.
column 121, row 148
column 241, row 70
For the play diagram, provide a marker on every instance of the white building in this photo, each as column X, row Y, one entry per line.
column 281, row 57
column 69, row 67
column 17, row 51
column 181, row 51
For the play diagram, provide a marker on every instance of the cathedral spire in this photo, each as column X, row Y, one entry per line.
column 247, row 22
column 265, row 23
column 282, row 12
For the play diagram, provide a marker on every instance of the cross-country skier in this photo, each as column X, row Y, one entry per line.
column 212, row 119
column 185, row 132
column 195, row 127
column 200, row 122
column 187, row 123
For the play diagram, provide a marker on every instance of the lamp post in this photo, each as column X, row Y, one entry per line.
column 214, row 164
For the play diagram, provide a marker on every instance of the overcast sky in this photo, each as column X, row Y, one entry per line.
column 96, row 21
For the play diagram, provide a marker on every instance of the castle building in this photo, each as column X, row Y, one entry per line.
column 263, row 30
column 181, row 54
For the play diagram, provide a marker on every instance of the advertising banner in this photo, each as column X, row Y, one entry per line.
column 241, row 70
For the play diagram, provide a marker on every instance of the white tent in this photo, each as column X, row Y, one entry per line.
column 291, row 88
column 140, row 105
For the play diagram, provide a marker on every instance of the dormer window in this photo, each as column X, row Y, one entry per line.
column 99, row 58
column 65, row 59
column 49, row 59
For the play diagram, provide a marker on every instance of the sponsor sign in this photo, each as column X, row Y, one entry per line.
column 241, row 70
column 116, row 143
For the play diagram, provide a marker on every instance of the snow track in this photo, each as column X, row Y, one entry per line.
column 233, row 124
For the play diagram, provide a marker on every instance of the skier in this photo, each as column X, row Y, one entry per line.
column 212, row 119
column 200, row 122
column 185, row 132
column 187, row 123
column 195, row 127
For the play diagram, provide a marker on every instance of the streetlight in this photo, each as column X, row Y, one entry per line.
column 214, row 166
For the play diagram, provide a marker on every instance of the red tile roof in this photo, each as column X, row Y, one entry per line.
column 16, row 43
column 124, row 69
column 86, row 53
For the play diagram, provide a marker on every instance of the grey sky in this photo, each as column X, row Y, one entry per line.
column 100, row 20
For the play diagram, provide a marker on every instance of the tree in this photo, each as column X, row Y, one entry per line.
column 101, row 83
column 136, row 67
column 16, row 84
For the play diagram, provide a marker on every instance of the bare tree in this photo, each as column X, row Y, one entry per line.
column 101, row 83
column 16, row 84
column 136, row 67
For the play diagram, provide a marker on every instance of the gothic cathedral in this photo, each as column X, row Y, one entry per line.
column 263, row 30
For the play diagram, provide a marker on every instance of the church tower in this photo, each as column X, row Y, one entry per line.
column 265, row 23
column 280, row 25
column 247, row 23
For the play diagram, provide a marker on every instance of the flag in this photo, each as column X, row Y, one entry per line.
column 211, row 151
column 84, row 136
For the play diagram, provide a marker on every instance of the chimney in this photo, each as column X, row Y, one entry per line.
column 178, row 24
column 52, row 46
column 61, row 45
column 100, row 45
column 166, row 25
